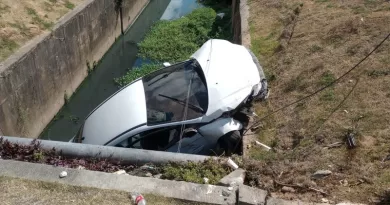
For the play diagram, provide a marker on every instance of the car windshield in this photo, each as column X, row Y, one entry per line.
column 169, row 90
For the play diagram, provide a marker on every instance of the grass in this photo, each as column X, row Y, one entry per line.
column 20, row 191
column 326, row 42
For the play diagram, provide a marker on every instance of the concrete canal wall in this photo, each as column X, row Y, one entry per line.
column 35, row 81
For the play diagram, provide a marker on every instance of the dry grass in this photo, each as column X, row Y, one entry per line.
column 22, row 20
column 18, row 191
column 303, row 46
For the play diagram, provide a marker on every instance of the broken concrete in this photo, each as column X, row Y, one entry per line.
column 251, row 196
column 171, row 189
column 236, row 177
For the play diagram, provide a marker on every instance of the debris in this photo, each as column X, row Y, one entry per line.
column 333, row 145
column 386, row 158
column 346, row 111
column 321, row 174
column 343, row 182
column 157, row 176
column 367, row 180
column 166, row 64
column 230, row 188
column 351, row 140
column 263, row 145
column 205, row 180
column 288, row 189
column 137, row 199
column 147, row 167
column 120, row 172
column 232, row 164
column 221, row 15
column 225, row 193
column 317, row 190
column 148, row 174
column 324, row 200
column 63, row 174
column 80, row 167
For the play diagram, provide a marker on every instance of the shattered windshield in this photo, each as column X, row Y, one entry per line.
column 169, row 90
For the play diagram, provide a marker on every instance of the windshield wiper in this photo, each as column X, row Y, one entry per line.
column 182, row 102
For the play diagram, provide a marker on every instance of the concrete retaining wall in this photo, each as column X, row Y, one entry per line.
column 240, row 17
column 34, row 81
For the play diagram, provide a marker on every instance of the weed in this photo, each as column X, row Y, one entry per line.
column 38, row 156
column 321, row 1
column 327, row 78
column 264, row 46
column 328, row 95
column 195, row 172
column 22, row 28
column 4, row 9
column 315, row 48
column 295, row 84
column 7, row 47
column 378, row 73
column 89, row 67
column 53, row 1
column 38, row 20
column 48, row 6
column 74, row 119
column 358, row 10
column 330, row 6
column 176, row 40
column 66, row 98
column 136, row 73
column 69, row 5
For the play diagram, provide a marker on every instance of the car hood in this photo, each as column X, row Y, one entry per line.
column 121, row 112
column 230, row 75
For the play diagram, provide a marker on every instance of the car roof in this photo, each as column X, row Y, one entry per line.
column 230, row 74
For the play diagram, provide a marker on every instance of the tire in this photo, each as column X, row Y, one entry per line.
column 230, row 143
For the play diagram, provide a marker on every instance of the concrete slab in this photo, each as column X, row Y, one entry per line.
column 234, row 178
column 251, row 196
column 172, row 189
column 274, row 201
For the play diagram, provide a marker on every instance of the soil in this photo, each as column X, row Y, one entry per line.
column 20, row 21
column 303, row 46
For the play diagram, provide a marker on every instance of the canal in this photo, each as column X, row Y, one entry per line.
column 121, row 57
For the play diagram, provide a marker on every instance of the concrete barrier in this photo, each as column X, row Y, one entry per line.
column 34, row 81
column 124, row 155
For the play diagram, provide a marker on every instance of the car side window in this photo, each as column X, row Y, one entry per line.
column 154, row 139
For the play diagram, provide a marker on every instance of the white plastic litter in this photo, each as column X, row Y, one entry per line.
column 206, row 180
column 63, row 174
column 221, row 15
column 166, row 64
column 263, row 145
column 119, row 172
column 137, row 199
column 232, row 164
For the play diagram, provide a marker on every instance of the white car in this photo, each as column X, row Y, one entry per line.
column 198, row 106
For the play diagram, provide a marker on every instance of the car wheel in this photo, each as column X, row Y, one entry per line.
column 229, row 143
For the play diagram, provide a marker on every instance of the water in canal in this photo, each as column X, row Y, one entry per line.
column 122, row 56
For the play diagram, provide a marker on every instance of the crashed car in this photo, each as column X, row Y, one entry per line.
column 199, row 106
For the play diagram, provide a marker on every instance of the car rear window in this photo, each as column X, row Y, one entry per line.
column 169, row 90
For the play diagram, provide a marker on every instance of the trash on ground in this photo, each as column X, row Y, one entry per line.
column 63, row 174
column 321, row 174
column 333, row 145
column 120, row 172
column 137, row 198
column 351, row 140
column 206, row 180
column 221, row 15
column 232, row 164
column 263, row 145
column 288, row 189
column 230, row 188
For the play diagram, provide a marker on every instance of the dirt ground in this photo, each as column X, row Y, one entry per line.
column 22, row 20
column 303, row 46
column 18, row 191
